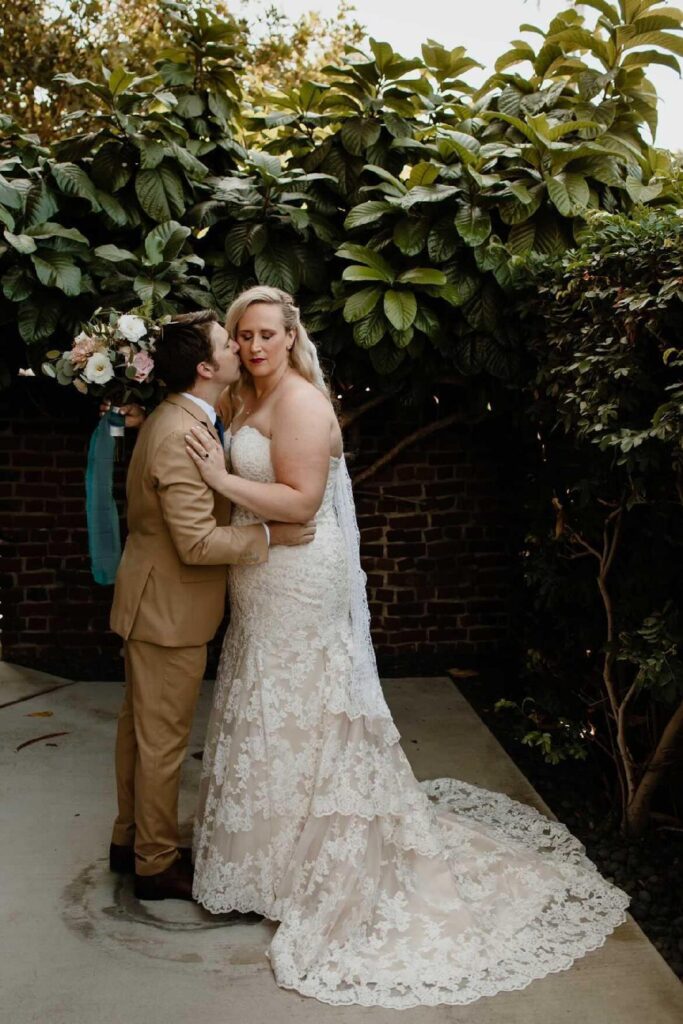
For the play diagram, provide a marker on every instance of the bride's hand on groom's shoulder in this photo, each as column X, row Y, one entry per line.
column 208, row 456
column 291, row 534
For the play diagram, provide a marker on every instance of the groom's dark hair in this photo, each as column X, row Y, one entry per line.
column 184, row 342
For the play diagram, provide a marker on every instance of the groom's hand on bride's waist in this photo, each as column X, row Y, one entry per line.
column 291, row 534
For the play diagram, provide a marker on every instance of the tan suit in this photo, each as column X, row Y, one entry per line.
column 169, row 599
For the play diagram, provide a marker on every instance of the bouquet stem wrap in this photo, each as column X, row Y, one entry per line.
column 104, row 537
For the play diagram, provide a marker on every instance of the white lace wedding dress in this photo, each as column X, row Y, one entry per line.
column 388, row 891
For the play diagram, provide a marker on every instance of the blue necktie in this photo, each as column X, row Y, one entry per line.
column 220, row 430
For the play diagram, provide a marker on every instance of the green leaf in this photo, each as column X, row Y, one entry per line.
column 427, row 321
column 382, row 53
column 22, row 243
column 483, row 310
column 569, row 193
column 442, row 240
column 667, row 41
column 391, row 179
column 400, row 308
column 268, row 166
column 521, row 237
column 549, row 240
column 460, row 288
column 422, row 275
column 369, row 257
column 515, row 211
column 160, row 193
column 363, row 274
column 17, row 284
column 73, row 180
column 361, row 303
column 150, row 290
column 358, row 134
column 401, row 338
column 428, row 194
column 278, row 266
column 423, row 173
column 10, row 194
column 109, row 167
column 386, row 357
column 610, row 12
column 113, row 253
column 367, row 213
column 120, row 80
column 238, row 242
column 165, row 241
column 225, row 285
column 40, row 204
column 152, row 152
column 640, row 193
column 50, row 230
column 643, row 58
column 221, row 106
column 473, row 224
column 410, row 234
column 515, row 56
column 37, row 320
column 56, row 270
column 189, row 105
column 189, row 163
column 369, row 331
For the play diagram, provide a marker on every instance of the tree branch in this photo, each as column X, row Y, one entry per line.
column 639, row 807
column 405, row 442
column 347, row 418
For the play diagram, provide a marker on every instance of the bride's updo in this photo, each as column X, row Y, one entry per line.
column 303, row 355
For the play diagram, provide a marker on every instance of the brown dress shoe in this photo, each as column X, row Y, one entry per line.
column 122, row 858
column 175, row 883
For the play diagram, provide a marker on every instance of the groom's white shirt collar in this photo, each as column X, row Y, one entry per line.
column 208, row 409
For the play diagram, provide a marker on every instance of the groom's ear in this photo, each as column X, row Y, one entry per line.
column 204, row 370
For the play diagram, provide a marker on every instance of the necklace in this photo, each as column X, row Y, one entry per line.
column 259, row 400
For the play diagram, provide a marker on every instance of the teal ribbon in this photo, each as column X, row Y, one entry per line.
column 104, row 536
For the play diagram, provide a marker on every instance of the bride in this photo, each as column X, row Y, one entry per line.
column 387, row 891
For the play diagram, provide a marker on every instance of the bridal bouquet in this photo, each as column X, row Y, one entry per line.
column 111, row 359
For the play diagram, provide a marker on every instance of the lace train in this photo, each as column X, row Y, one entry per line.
column 388, row 891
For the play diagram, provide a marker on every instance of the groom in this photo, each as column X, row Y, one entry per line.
column 169, row 599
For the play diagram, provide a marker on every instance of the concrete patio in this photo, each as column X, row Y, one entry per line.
column 79, row 949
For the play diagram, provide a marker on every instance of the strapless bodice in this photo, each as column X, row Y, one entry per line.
column 248, row 451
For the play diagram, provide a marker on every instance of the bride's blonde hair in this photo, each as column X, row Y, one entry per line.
column 303, row 355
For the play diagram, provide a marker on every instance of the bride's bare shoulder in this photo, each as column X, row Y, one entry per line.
column 302, row 400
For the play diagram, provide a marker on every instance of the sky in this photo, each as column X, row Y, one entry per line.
column 484, row 27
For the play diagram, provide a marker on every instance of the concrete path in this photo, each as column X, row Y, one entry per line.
column 77, row 948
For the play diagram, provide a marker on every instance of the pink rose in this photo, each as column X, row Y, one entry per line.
column 81, row 350
column 144, row 364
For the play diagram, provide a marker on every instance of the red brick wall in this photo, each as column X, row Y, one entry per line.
column 436, row 546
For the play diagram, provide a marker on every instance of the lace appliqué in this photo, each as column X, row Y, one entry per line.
column 389, row 892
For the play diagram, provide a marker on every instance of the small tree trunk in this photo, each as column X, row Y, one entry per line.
column 637, row 811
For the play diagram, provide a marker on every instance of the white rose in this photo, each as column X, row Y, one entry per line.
column 131, row 327
column 98, row 369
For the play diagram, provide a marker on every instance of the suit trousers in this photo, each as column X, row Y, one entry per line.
column 162, row 687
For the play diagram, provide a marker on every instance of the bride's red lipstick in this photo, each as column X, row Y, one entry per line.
column 258, row 359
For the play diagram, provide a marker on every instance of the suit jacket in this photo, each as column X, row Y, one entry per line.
column 170, row 584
